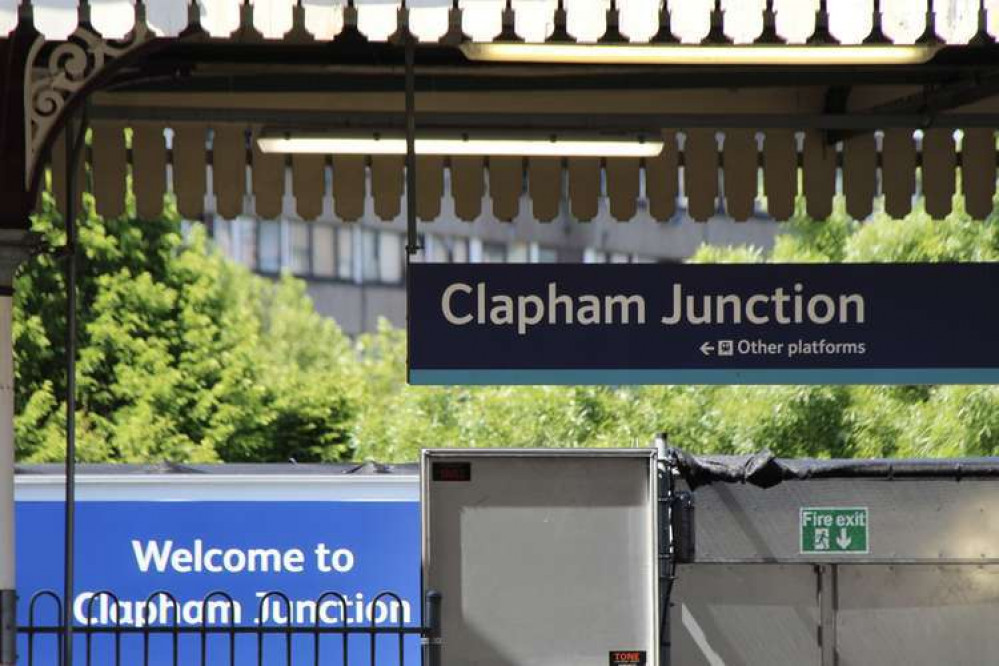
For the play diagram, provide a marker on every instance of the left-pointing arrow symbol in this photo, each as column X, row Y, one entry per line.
column 707, row 348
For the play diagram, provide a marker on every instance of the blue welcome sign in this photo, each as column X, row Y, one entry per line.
column 224, row 564
column 704, row 324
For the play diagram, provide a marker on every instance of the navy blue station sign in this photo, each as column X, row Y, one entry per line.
column 700, row 324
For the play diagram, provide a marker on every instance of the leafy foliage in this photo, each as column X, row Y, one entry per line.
column 183, row 356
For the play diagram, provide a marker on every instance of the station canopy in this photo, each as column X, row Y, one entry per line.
column 755, row 103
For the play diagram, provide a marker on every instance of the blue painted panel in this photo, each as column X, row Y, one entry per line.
column 246, row 549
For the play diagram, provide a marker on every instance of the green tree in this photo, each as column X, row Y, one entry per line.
column 183, row 355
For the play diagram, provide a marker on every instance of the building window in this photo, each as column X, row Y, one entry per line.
column 520, row 253
column 547, row 255
column 269, row 246
column 446, row 249
column 493, row 253
column 619, row 258
column 381, row 256
column 345, row 253
column 459, row 250
column 244, row 241
column 435, row 249
column 324, row 251
column 591, row 256
column 390, row 257
column 317, row 250
column 300, row 251
column 369, row 255
column 223, row 237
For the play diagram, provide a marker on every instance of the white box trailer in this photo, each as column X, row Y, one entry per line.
column 543, row 557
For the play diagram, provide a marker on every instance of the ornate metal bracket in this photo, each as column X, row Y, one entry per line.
column 54, row 77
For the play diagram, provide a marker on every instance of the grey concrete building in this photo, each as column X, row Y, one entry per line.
column 356, row 270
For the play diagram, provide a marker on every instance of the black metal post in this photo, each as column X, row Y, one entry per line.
column 74, row 150
column 8, row 626
column 412, row 238
column 432, row 622
column 666, row 556
column 412, row 241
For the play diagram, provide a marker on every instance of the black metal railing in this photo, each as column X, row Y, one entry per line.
column 159, row 632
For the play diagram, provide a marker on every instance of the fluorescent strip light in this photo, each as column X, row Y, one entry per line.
column 684, row 54
column 539, row 147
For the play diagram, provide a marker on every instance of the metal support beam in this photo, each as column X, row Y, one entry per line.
column 15, row 247
column 828, row 607
column 74, row 152
column 412, row 240
column 8, row 607
column 8, row 597
column 666, row 556
column 273, row 66
column 567, row 122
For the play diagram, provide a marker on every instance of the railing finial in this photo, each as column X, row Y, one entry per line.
column 769, row 34
column 877, row 35
column 717, row 33
column 560, row 33
column 930, row 36
column 508, row 33
column 612, row 33
column 455, row 28
column 982, row 36
column 665, row 34
column 821, row 36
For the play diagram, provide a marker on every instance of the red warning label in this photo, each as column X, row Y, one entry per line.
column 627, row 658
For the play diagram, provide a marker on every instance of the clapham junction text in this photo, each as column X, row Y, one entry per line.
column 703, row 324
column 463, row 304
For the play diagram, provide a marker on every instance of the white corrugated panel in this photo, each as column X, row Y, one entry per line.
column 691, row 19
column 639, row 19
column 323, row 19
column 428, row 18
column 220, row 18
column 850, row 20
column 482, row 19
column 8, row 16
column 56, row 19
column 743, row 19
column 112, row 18
column 957, row 20
column 376, row 19
column 795, row 19
column 166, row 17
column 534, row 18
column 586, row 19
column 272, row 17
column 901, row 22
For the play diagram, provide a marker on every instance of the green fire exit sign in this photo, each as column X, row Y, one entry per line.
column 833, row 529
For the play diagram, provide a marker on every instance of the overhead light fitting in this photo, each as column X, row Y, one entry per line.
column 562, row 146
column 692, row 54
